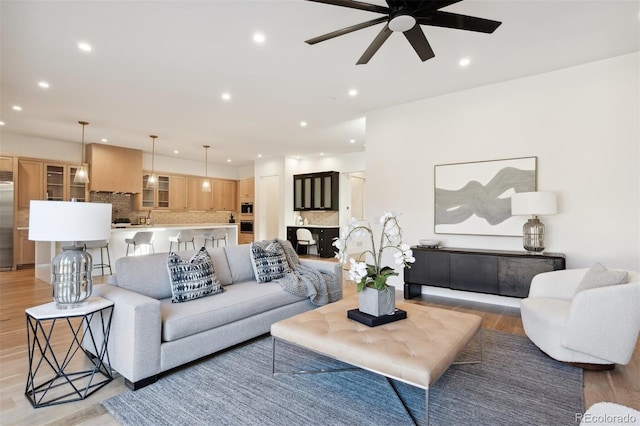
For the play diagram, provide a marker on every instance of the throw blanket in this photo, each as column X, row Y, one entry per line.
column 321, row 287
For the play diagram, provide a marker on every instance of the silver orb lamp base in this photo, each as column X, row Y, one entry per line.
column 71, row 283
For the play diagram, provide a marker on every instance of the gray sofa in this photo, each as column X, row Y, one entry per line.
column 150, row 335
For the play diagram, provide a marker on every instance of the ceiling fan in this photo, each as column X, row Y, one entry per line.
column 406, row 16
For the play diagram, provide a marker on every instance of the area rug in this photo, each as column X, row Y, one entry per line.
column 514, row 385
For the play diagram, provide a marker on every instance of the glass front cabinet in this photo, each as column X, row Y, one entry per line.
column 59, row 184
column 316, row 191
column 157, row 197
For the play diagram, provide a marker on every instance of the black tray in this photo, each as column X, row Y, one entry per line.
column 373, row 321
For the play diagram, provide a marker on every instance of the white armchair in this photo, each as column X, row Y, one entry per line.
column 595, row 328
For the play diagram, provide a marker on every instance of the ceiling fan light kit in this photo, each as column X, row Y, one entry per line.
column 407, row 17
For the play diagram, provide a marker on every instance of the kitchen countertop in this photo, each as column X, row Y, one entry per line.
column 314, row 226
column 175, row 225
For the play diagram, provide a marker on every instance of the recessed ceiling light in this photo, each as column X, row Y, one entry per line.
column 352, row 141
column 303, row 124
column 84, row 46
column 226, row 96
column 353, row 92
column 175, row 151
column 1, row 123
column 322, row 154
column 464, row 62
column 43, row 84
column 259, row 38
column 17, row 108
column 104, row 140
column 228, row 160
column 259, row 155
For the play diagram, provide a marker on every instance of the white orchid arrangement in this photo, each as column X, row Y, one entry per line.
column 374, row 274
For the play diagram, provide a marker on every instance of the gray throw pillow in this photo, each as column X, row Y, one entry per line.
column 269, row 260
column 599, row 276
column 193, row 278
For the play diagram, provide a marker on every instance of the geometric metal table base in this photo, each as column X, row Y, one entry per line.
column 57, row 379
column 275, row 372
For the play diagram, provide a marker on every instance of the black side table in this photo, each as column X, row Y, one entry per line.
column 74, row 373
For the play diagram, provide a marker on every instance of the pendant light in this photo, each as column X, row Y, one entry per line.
column 206, row 184
column 152, row 181
column 82, row 174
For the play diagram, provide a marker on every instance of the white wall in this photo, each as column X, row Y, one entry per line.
column 582, row 123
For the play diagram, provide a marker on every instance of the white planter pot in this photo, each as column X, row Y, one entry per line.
column 377, row 302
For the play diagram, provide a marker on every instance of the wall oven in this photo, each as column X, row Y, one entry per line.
column 246, row 208
column 246, row 226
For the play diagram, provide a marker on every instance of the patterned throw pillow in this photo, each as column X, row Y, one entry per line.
column 193, row 278
column 269, row 260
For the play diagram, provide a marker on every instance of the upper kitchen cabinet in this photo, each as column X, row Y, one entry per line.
column 196, row 198
column 30, row 182
column 114, row 169
column 246, row 188
column 60, row 185
column 177, row 192
column 155, row 197
column 316, row 191
column 224, row 194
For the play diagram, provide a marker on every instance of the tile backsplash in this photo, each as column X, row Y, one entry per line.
column 124, row 206
column 322, row 218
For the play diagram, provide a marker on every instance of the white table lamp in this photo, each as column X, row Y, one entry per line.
column 70, row 221
column 533, row 204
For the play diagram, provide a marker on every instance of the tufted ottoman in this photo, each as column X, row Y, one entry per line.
column 416, row 350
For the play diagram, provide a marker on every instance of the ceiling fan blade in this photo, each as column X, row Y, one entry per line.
column 353, row 4
column 346, row 30
column 428, row 6
column 375, row 45
column 419, row 42
column 461, row 22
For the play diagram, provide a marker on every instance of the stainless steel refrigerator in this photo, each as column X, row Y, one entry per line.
column 6, row 220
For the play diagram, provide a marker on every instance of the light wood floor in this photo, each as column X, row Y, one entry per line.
column 20, row 290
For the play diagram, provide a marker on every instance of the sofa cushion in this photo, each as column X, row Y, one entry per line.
column 239, row 260
column 239, row 301
column 145, row 275
column 193, row 278
column 599, row 276
column 269, row 260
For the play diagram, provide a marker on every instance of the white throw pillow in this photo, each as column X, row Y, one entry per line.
column 599, row 276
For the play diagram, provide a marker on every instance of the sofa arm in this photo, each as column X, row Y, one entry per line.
column 333, row 267
column 556, row 284
column 605, row 322
column 134, row 340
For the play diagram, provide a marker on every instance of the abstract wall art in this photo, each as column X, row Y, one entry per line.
column 475, row 198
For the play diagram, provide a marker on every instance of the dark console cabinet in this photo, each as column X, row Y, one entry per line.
column 504, row 273
column 324, row 236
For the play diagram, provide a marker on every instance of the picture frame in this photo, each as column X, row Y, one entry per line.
column 475, row 198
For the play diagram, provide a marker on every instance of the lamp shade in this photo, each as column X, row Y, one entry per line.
column 69, row 221
column 533, row 203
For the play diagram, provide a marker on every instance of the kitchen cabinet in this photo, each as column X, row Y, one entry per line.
column 30, row 182
column 504, row 273
column 324, row 235
column 316, row 191
column 246, row 188
column 224, row 195
column 157, row 197
column 177, row 192
column 25, row 251
column 59, row 183
column 114, row 169
column 196, row 198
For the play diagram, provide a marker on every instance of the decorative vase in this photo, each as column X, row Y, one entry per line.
column 377, row 302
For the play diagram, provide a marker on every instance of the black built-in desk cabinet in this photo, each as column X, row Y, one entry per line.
column 505, row 273
column 323, row 234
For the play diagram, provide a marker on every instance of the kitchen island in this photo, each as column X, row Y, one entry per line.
column 46, row 251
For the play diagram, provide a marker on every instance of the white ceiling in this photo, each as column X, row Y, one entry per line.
column 161, row 66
